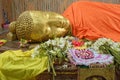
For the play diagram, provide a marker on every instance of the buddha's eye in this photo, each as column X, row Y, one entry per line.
column 55, row 23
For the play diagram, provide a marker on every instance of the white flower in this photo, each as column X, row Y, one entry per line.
column 101, row 41
column 48, row 42
column 36, row 52
column 53, row 42
column 62, row 46
column 54, row 47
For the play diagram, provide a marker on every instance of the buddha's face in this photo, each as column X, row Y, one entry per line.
column 39, row 26
column 49, row 25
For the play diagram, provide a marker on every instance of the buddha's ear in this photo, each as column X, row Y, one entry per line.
column 12, row 31
column 11, row 36
column 12, row 27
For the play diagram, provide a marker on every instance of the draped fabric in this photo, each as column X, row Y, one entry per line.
column 19, row 65
column 92, row 20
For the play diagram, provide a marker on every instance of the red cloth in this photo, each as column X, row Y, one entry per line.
column 93, row 20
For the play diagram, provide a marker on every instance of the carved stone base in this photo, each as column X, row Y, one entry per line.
column 97, row 73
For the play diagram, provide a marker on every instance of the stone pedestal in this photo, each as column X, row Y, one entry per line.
column 96, row 73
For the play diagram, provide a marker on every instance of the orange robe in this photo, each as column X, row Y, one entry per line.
column 93, row 20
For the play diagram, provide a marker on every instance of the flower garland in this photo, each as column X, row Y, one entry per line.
column 87, row 57
column 107, row 46
column 78, row 53
column 55, row 49
column 101, row 41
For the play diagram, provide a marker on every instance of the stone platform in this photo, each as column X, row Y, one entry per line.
column 74, row 73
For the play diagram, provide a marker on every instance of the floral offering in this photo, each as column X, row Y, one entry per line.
column 88, row 56
column 79, row 52
column 55, row 49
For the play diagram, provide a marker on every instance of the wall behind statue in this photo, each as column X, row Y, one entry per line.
column 13, row 8
column 0, row 13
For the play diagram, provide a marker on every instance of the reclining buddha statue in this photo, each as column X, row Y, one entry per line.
column 38, row 26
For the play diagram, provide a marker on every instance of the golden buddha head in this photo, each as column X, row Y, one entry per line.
column 39, row 26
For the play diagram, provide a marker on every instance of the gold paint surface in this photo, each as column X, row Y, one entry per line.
column 39, row 26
